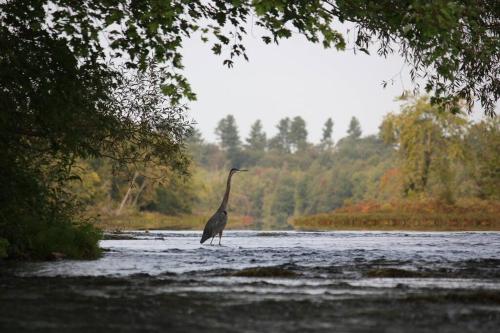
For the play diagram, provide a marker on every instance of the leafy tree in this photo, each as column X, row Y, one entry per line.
column 298, row 134
column 256, row 140
column 326, row 189
column 194, row 137
column 354, row 130
column 483, row 158
column 302, row 195
column 428, row 141
column 212, row 157
column 326, row 139
column 283, row 200
column 173, row 198
column 67, row 115
column 92, row 187
column 456, row 41
column 229, row 139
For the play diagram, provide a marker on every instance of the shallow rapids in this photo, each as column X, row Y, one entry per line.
column 265, row 281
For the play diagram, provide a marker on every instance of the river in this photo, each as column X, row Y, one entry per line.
column 263, row 282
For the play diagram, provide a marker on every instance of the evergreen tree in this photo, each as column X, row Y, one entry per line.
column 298, row 134
column 326, row 139
column 281, row 142
column 257, row 140
column 229, row 139
column 227, row 132
column 354, row 130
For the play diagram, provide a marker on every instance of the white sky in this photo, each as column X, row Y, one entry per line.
column 290, row 79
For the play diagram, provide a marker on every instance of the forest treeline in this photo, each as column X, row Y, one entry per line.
column 420, row 154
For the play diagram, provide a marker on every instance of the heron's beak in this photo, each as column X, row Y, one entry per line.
column 242, row 170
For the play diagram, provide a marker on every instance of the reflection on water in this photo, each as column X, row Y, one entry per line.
column 285, row 281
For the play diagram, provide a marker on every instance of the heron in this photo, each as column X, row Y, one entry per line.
column 218, row 221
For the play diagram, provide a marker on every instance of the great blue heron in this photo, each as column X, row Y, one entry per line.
column 218, row 221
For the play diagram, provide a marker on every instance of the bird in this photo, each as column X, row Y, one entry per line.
column 216, row 224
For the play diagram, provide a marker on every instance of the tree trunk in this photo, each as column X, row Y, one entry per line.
column 426, row 161
column 143, row 186
column 125, row 198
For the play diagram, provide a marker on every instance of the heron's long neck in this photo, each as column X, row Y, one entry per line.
column 223, row 205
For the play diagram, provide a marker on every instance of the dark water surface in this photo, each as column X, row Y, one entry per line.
column 264, row 282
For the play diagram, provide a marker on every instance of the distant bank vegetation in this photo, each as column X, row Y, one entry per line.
column 470, row 215
column 133, row 220
column 424, row 170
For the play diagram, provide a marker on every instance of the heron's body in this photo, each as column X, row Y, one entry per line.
column 216, row 224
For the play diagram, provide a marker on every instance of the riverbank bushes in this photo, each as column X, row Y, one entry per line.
column 134, row 220
column 426, row 215
column 39, row 219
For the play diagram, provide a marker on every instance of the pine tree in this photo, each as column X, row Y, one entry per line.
column 354, row 130
column 281, row 142
column 229, row 139
column 326, row 139
column 257, row 140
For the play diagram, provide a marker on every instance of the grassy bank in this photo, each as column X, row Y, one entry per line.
column 414, row 215
column 156, row 221
column 398, row 221
column 418, row 215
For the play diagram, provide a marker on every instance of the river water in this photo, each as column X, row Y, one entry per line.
column 264, row 282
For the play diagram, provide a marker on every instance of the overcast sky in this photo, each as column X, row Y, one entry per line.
column 291, row 79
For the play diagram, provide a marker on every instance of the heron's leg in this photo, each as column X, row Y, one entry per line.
column 220, row 237
column 212, row 240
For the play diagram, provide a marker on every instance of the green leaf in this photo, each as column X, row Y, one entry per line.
column 217, row 48
column 266, row 39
